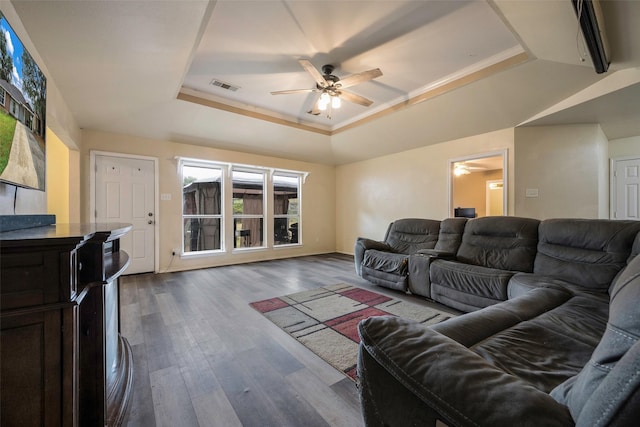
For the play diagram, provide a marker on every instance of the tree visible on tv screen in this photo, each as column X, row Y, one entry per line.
column 6, row 63
column 34, row 84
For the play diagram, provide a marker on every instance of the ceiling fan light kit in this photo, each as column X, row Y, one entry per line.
column 331, row 87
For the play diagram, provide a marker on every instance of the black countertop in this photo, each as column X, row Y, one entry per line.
column 60, row 233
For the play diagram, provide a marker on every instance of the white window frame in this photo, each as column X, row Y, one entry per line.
column 263, row 216
column 227, row 217
column 300, row 178
column 220, row 216
column 2, row 96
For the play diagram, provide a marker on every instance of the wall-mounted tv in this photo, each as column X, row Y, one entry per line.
column 23, row 103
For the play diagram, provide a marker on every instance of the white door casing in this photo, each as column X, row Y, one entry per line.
column 124, row 192
column 625, row 188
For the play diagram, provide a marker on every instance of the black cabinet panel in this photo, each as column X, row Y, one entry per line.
column 57, row 328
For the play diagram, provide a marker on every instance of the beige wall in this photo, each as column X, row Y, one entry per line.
column 568, row 165
column 57, row 178
column 74, row 186
column 414, row 183
column 318, row 198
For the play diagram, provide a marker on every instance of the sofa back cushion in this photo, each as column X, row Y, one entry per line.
column 450, row 235
column 502, row 242
column 587, row 252
column 409, row 235
column 608, row 387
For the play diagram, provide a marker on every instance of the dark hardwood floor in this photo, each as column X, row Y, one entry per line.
column 204, row 357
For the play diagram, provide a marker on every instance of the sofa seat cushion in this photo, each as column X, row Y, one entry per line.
column 522, row 283
column 548, row 349
column 467, row 287
column 542, row 337
column 412, row 375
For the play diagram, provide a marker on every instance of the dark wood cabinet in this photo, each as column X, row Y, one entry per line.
column 62, row 358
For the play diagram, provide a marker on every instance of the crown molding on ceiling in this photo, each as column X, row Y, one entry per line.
column 213, row 101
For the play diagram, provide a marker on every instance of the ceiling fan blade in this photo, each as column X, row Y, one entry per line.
column 357, row 78
column 357, row 99
column 286, row 92
column 317, row 75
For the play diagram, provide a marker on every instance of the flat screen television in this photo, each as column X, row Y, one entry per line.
column 23, row 103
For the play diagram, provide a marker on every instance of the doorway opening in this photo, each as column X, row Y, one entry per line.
column 478, row 184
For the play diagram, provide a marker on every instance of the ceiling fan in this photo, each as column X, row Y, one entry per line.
column 465, row 168
column 331, row 87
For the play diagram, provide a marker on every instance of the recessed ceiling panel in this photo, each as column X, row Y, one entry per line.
column 255, row 46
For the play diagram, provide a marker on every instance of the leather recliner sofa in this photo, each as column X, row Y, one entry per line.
column 561, row 349
column 551, row 356
column 475, row 263
column 385, row 263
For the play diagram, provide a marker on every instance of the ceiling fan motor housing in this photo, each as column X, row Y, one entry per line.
column 328, row 69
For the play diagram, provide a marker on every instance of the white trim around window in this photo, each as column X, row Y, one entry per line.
column 242, row 207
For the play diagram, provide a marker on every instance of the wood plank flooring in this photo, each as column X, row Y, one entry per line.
column 204, row 357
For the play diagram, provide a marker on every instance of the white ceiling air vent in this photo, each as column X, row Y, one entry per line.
column 223, row 85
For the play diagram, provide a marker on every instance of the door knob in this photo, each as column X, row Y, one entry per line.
column 149, row 222
column 150, row 213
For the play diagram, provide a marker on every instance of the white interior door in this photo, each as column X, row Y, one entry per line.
column 125, row 193
column 495, row 197
column 626, row 188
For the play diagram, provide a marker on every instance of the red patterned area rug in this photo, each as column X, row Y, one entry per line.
column 325, row 319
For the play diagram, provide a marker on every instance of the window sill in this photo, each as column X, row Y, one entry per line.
column 251, row 249
column 288, row 246
column 202, row 254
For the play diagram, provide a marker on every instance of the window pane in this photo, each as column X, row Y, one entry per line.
column 248, row 193
column 201, row 190
column 201, row 234
column 285, row 230
column 248, row 232
column 248, row 208
column 285, row 195
column 286, row 209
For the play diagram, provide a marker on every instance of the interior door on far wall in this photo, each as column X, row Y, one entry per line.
column 125, row 193
column 625, row 192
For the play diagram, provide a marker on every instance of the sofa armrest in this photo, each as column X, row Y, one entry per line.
column 617, row 398
column 419, row 264
column 441, row 380
column 373, row 244
column 362, row 245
